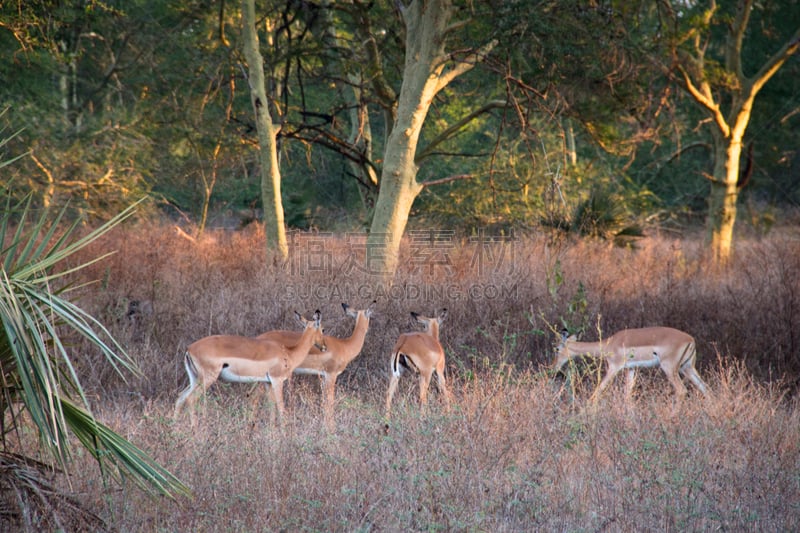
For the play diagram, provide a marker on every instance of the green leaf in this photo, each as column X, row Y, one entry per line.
column 107, row 445
column 36, row 367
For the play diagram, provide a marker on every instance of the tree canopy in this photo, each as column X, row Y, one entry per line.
column 578, row 106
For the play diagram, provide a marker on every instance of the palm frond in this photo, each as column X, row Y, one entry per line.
column 5, row 139
column 35, row 365
column 107, row 445
column 37, row 269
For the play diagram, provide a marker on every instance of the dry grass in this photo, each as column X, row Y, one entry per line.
column 516, row 453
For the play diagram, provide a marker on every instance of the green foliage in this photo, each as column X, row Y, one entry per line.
column 605, row 216
column 39, row 375
column 117, row 101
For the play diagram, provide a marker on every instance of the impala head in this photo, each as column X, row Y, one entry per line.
column 427, row 322
column 316, row 323
column 562, row 353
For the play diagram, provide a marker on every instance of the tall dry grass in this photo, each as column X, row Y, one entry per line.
column 519, row 451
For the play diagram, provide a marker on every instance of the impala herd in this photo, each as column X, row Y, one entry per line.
column 271, row 358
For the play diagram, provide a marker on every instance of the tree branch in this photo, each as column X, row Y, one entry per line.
column 706, row 101
column 448, row 179
column 456, row 128
column 465, row 64
column 733, row 50
column 774, row 63
column 375, row 73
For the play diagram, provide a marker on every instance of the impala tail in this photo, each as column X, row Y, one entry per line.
column 188, row 364
column 397, row 361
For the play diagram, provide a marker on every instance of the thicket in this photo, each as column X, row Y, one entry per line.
column 518, row 451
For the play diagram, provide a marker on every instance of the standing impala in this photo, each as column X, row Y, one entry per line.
column 247, row 360
column 672, row 350
column 329, row 364
column 421, row 352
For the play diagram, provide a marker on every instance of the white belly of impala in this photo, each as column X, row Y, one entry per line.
column 309, row 371
column 649, row 362
column 226, row 374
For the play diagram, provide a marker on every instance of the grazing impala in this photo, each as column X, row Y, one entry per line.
column 421, row 352
column 247, row 360
column 329, row 364
column 672, row 350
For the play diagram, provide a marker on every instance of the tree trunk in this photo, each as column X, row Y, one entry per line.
column 572, row 152
column 424, row 75
column 360, row 138
column 722, row 198
column 268, row 148
column 727, row 128
column 399, row 189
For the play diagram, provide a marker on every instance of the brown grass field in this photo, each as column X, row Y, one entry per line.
column 522, row 450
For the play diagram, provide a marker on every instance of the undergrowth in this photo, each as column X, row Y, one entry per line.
column 522, row 449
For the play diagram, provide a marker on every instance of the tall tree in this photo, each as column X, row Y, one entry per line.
column 428, row 69
column 267, row 137
column 709, row 68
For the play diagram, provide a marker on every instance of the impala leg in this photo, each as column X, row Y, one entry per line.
column 188, row 395
column 199, row 382
column 328, row 399
column 671, row 370
column 191, row 372
column 680, row 390
column 256, row 394
column 442, row 383
column 691, row 372
column 259, row 396
column 390, row 393
column 269, row 397
column 677, row 384
column 605, row 382
column 184, row 396
column 424, row 383
column 277, row 395
column 630, row 382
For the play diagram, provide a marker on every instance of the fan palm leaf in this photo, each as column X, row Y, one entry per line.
column 36, row 368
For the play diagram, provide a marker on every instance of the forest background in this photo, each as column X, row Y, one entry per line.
column 578, row 116
column 587, row 140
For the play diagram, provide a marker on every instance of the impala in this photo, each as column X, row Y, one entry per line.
column 329, row 364
column 672, row 350
column 247, row 360
column 421, row 352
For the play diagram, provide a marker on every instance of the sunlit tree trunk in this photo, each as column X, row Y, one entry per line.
column 424, row 75
column 723, row 197
column 571, row 150
column 268, row 148
column 737, row 92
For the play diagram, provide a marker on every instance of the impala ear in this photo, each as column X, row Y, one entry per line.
column 442, row 315
column 299, row 318
column 370, row 309
column 347, row 310
column 317, row 317
column 564, row 335
column 414, row 315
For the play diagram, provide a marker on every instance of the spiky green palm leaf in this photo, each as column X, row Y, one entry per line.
column 36, row 368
